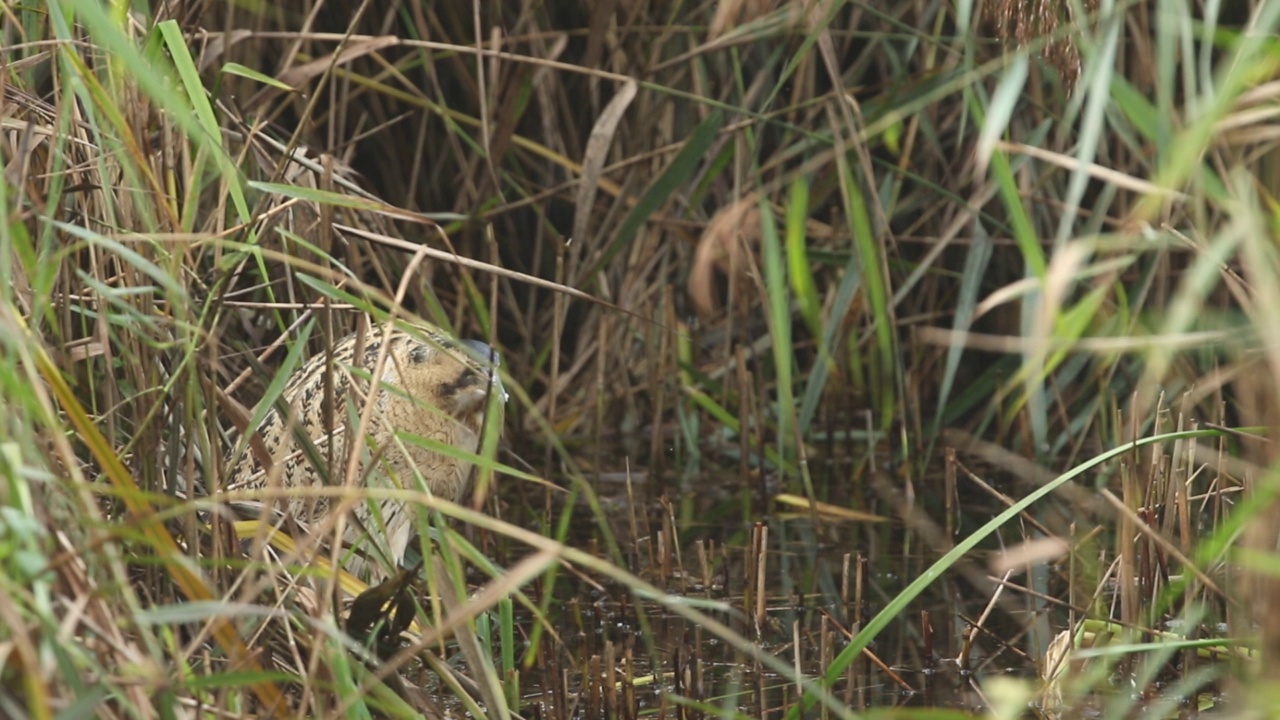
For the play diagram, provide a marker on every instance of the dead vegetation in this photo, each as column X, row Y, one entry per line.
column 763, row 275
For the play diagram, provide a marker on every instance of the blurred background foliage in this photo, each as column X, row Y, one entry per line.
column 734, row 252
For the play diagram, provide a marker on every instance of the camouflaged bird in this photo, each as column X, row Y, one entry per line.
column 432, row 386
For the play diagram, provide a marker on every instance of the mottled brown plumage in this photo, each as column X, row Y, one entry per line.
column 431, row 386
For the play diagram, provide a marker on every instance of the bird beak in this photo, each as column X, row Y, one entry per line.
column 489, row 358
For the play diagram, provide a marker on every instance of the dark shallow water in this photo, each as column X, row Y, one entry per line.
column 709, row 539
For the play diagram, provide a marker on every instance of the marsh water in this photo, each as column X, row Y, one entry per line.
column 795, row 584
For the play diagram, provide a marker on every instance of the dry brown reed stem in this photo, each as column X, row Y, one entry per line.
column 486, row 113
column 191, row 584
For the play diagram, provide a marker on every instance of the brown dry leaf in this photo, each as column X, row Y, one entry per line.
column 81, row 351
column 295, row 76
column 733, row 229
column 1029, row 554
column 597, row 151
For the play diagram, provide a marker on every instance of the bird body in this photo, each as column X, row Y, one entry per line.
column 430, row 387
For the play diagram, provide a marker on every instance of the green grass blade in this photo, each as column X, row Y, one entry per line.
column 675, row 176
column 779, row 317
column 802, row 284
column 875, row 285
column 898, row 606
column 971, row 280
column 1004, row 101
column 211, row 140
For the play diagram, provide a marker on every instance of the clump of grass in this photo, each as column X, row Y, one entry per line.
column 819, row 256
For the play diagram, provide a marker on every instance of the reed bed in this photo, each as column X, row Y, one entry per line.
column 908, row 358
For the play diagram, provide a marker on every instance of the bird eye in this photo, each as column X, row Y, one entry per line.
column 420, row 352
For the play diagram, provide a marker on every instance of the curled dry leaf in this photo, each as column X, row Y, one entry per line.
column 734, row 230
column 597, row 152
